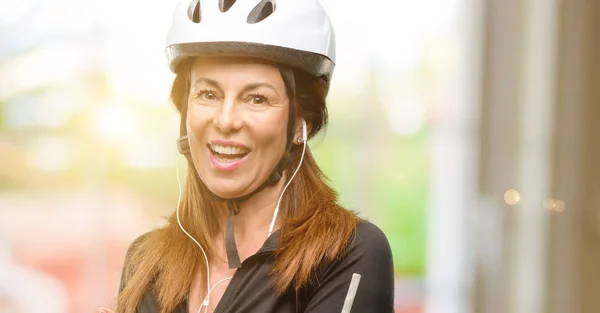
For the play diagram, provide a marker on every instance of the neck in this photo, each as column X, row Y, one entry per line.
column 253, row 220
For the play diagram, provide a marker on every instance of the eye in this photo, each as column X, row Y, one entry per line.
column 258, row 99
column 206, row 94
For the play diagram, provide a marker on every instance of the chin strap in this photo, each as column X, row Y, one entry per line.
column 233, row 257
column 233, row 205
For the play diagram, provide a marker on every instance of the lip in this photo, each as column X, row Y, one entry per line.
column 228, row 143
column 226, row 166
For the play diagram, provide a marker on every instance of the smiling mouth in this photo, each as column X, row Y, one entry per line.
column 228, row 154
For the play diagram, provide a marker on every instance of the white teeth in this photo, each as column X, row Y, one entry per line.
column 227, row 149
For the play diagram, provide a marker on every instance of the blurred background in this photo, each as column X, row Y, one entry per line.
column 468, row 130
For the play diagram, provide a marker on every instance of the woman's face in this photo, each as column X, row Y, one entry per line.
column 237, row 122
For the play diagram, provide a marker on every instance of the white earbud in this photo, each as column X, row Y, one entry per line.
column 304, row 137
column 304, row 132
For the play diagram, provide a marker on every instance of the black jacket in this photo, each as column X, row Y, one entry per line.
column 250, row 290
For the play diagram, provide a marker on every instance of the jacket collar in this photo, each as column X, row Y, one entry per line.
column 271, row 243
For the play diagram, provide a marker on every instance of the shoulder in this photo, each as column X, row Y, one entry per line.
column 128, row 266
column 367, row 231
column 367, row 265
column 133, row 246
column 369, row 239
column 367, row 250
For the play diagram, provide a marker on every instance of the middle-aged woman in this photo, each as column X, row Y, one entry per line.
column 257, row 229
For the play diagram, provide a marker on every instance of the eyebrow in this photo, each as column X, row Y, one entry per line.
column 245, row 89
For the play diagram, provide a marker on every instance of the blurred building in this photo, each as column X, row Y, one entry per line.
column 539, row 251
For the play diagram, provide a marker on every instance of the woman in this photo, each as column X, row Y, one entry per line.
column 257, row 228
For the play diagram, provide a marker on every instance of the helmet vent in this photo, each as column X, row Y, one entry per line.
column 261, row 11
column 225, row 5
column 194, row 11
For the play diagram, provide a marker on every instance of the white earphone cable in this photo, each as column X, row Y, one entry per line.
column 289, row 181
column 206, row 299
column 205, row 302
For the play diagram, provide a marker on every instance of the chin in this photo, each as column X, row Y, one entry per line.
column 226, row 190
column 227, row 194
column 234, row 186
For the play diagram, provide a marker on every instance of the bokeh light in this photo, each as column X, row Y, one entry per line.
column 554, row 205
column 512, row 197
column 114, row 123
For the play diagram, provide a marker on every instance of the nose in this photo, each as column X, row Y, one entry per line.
column 227, row 117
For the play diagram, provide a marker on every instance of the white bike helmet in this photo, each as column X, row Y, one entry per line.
column 297, row 33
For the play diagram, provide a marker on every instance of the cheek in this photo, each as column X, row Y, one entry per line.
column 272, row 132
column 197, row 119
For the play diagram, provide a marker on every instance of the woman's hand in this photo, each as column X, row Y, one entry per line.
column 104, row 310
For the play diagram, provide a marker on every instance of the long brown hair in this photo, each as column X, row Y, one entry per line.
column 315, row 227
